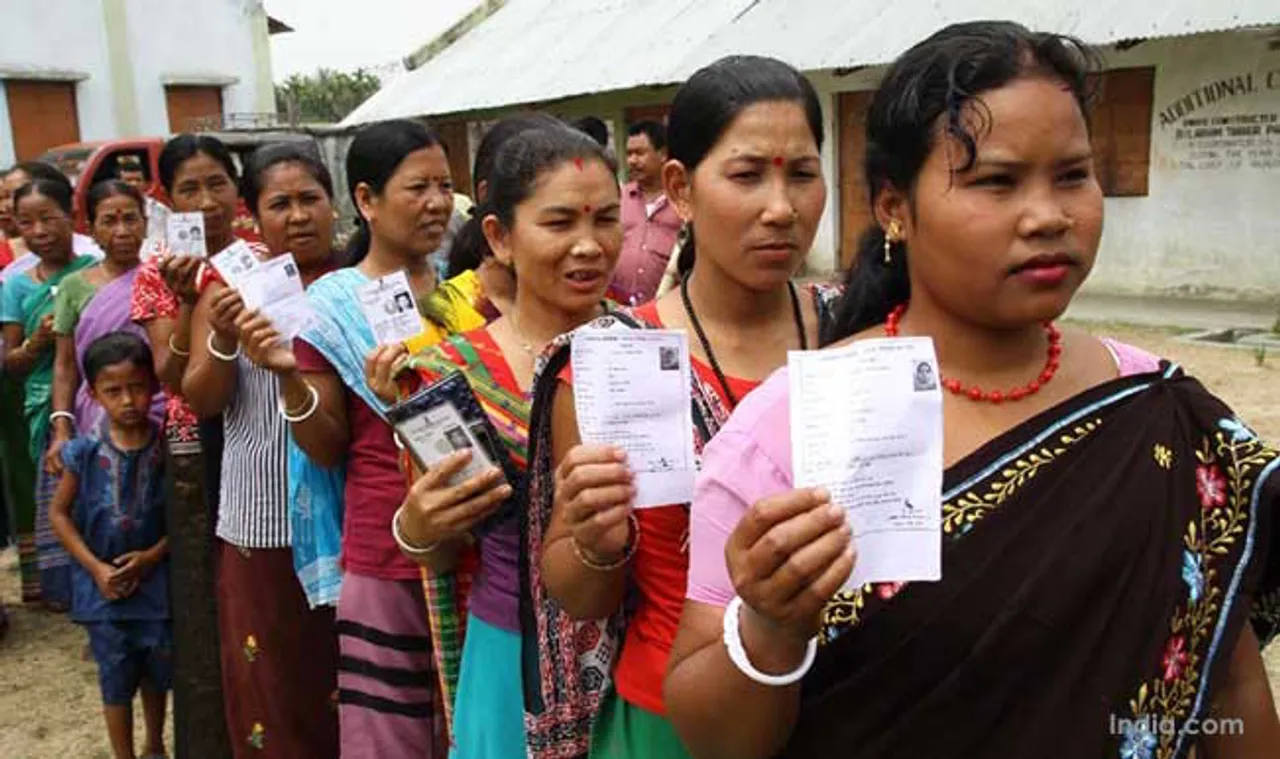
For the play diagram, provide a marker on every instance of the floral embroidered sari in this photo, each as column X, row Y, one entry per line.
column 1100, row 562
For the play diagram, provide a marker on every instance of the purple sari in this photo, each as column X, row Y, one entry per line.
column 106, row 312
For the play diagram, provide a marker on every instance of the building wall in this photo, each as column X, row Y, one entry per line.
column 164, row 41
column 1208, row 226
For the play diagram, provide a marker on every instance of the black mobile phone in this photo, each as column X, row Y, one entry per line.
column 445, row 417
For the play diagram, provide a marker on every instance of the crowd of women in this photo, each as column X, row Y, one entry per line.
column 1109, row 526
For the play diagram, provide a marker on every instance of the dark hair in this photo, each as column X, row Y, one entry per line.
column 129, row 162
column 110, row 188
column 39, row 170
column 183, row 148
column 375, row 154
column 935, row 82
column 595, row 128
column 58, row 190
column 525, row 156
column 712, row 98
column 267, row 157
column 470, row 248
column 655, row 131
column 117, row 348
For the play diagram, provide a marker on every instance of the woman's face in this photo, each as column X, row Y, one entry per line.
column 1008, row 241
column 8, row 185
column 756, row 199
column 296, row 214
column 201, row 184
column 119, row 229
column 45, row 227
column 565, row 236
column 412, row 212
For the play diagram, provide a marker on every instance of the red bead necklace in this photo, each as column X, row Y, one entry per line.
column 976, row 393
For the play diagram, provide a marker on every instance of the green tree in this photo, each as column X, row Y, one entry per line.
column 324, row 97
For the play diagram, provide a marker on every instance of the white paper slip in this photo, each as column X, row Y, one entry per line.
column 866, row 424
column 390, row 308
column 274, row 287
column 271, row 281
column 185, row 234
column 291, row 316
column 631, row 390
column 152, row 247
column 158, row 219
column 235, row 263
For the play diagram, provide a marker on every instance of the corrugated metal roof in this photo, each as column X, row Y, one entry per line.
column 537, row 50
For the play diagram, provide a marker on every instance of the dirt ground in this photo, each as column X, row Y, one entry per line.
column 49, row 704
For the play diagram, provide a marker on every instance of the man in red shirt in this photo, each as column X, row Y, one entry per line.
column 650, row 224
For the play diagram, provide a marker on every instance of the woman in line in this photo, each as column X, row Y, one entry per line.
column 1108, row 526
column 470, row 255
column 744, row 136
column 92, row 303
column 199, row 176
column 552, row 217
column 343, row 451
column 43, row 210
column 279, row 657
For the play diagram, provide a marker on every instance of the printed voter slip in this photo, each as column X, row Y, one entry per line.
column 185, row 234
column 274, row 288
column 866, row 424
column 390, row 308
column 443, row 418
column 235, row 263
column 631, row 390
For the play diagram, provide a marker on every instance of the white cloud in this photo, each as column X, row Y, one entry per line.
column 348, row 34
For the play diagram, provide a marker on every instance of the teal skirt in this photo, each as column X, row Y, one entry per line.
column 625, row 731
column 488, row 715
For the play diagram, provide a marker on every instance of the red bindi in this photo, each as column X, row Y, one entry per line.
column 586, row 209
column 578, row 162
column 777, row 160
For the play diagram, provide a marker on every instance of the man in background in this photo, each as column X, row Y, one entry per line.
column 650, row 224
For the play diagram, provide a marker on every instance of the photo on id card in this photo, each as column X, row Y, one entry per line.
column 445, row 417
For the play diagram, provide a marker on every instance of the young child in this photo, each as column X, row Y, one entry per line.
column 108, row 512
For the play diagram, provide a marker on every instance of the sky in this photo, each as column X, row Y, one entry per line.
column 348, row 34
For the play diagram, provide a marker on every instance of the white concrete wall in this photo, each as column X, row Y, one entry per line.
column 1210, row 224
column 59, row 39
column 175, row 41
column 193, row 42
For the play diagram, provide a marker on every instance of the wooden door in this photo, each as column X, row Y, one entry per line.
column 454, row 136
column 42, row 116
column 193, row 108
column 855, row 209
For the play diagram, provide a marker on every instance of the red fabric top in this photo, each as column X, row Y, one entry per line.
column 660, row 570
column 6, row 254
column 375, row 486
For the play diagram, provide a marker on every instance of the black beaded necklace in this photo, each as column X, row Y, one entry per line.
column 706, row 344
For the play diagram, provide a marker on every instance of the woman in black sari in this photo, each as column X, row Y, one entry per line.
column 1108, row 525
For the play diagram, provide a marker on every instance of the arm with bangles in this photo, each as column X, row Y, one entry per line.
column 66, row 381
column 313, row 402
column 433, row 526
column 23, row 352
column 773, row 556
column 593, row 532
column 209, row 383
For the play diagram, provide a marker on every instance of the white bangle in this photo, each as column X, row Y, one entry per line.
column 309, row 409
column 213, row 351
column 738, row 653
column 55, row 416
column 405, row 545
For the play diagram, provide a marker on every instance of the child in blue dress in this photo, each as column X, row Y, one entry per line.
column 108, row 512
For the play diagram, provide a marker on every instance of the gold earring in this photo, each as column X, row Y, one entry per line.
column 890, row 237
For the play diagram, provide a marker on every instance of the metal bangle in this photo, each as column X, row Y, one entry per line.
column 308, row 407
column 404, row 544
column 632, row 545
column 175, row 350
column 213, row 351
